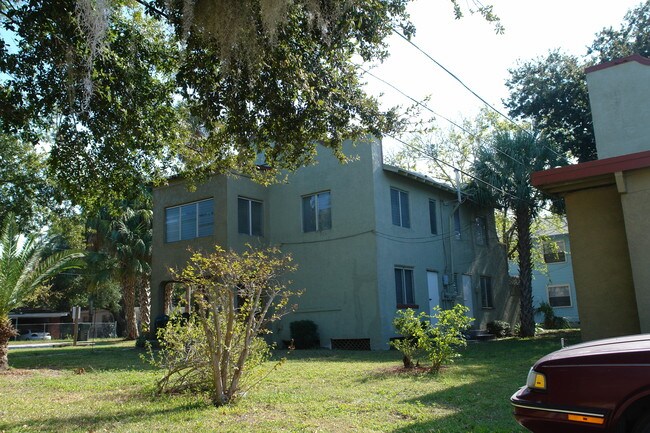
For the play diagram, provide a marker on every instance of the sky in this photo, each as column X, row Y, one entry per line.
column 471, row 49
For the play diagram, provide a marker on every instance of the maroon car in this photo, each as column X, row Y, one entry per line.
column 600, row 386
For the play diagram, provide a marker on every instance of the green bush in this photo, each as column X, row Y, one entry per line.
column 304, row 334
column 414, row 330
column 218, row 348
column 551, row 321
column 438, row 342
column 499, row 328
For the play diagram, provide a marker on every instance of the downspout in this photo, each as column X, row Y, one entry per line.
column 452, row 232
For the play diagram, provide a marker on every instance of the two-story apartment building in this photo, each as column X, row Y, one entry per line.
column 368, row 239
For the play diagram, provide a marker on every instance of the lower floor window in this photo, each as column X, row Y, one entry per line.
column 486, row 292
column 404, row 286
column 559, row 295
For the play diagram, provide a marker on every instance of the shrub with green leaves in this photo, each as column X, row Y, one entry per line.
column 499, row 328
column 439, row 342
column 414, row 330
column 551, row 321
column 304, row 334
column 234, row 299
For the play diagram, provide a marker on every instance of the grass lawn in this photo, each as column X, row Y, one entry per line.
column 106, row 388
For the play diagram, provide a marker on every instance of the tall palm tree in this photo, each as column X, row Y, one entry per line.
column 22, row 270
column 506, row 163
column 131, row 240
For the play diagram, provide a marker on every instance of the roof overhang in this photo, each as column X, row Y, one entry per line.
column 590, row 174
column 418, row 177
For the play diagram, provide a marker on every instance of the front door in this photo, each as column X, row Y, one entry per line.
column 434, row 292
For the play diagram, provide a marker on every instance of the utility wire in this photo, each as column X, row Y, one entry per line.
column 426, row 107
column 462, row 83
column 462, row 128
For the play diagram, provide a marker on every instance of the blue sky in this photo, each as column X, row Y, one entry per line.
column 470, row 48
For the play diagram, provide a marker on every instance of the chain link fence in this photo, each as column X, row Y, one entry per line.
column 64, row 331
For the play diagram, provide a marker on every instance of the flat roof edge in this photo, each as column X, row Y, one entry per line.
column 633, row 58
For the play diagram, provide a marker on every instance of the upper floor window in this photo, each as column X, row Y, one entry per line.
column 399, row 203
column 457, row 231
column 554, row 251
column 480, row 230
column 189, row 221
column 250, row 216
column 486, row 292
column 404, row 286
column 559, row 295
column 316, row 212
column 433, row 221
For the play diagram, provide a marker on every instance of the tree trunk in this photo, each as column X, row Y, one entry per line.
column 129, row 309
column 6, row 332
column 145, row 304
column 523, row 220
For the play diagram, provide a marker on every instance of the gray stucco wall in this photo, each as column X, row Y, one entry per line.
column 347, row 272
column 337, row 267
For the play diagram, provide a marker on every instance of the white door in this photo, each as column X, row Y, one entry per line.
column 467, row 294
column 434, row 292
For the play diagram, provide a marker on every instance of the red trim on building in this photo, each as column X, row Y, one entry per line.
column 633, row 58
column 576, row 172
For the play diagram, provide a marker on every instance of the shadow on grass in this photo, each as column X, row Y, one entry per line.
column 327, row 355
column 107, row 357
column 481, row 406
column 491, row 372
column 101, row 422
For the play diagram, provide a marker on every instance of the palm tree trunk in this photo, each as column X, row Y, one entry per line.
column 145, row 304
column 6, row 332
column 129, row 307
column 523, row 220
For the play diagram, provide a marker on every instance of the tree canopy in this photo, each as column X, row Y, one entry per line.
column 126, row 92
column 505, row 165
column 24, row 189
column 552, row 92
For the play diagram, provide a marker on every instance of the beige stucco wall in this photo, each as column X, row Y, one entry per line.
column 601, row 263
column 635, row 200
column 619, row 98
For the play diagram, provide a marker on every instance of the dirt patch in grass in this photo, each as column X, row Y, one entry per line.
column 401, row 370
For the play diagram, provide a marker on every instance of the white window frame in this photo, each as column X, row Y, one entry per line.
column 180, row 207
column 404, row 210
column 433, row 216
column 405, row 289
column 249, row 216
column 317, row 210
column 487, row 297
column 553, row 286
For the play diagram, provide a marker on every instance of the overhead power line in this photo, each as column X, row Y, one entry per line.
column 462, row 128
column 462, row 83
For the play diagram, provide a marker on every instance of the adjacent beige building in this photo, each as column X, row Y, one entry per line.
column 368, row 239
column 608, row 203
